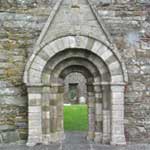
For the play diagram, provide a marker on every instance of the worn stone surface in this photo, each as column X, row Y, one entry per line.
column 75, row 141
column 80, row 88
column 20, row 25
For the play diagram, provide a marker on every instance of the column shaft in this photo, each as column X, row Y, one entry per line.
column 98, row 114
column 34, row 116
column 106, row 113
column 117, row 115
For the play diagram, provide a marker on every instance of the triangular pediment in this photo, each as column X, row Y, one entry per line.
column 74, row 17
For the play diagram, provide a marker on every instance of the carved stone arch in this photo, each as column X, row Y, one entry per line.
column 106, row 54
column 79, row 69
column 43, row 98
column 77, row 54
column 75, row 62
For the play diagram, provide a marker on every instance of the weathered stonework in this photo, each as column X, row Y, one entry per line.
column 81, row 91
column 20, row 25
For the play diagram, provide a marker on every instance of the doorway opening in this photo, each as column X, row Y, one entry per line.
column 75, row 103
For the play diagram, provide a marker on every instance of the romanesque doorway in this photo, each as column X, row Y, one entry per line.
column 74, row 61
column 45, row 74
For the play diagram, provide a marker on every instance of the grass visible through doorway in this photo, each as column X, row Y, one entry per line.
column 75, row 118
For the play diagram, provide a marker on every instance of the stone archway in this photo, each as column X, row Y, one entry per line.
column 106, row 76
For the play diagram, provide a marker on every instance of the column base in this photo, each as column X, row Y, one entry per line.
column 106, row 139
column 30, row 144
column 32, row 141
column 90, row 136
column 98, row 137
column 118, row 140
column 56, row 137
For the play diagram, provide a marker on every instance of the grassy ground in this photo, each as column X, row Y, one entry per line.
column 75, row 118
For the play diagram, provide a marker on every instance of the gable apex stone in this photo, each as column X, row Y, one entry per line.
column 78, row 17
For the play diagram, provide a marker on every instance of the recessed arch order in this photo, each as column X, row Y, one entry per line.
column 46, row 51
column 97, row 61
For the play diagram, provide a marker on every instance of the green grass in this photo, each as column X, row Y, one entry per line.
column 75, row 118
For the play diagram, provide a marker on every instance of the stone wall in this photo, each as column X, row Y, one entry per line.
column 129, row 25
column 82, row 87
column 21, row 22
column 20, row 25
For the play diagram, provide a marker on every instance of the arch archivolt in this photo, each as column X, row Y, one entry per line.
column 78, row 55
column 106, row 77
column 45, row 53
column 79, row 69
column 77, row 62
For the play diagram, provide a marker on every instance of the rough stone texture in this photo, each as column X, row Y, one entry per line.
column 20, row 25
column 75, row 141
column 75, row 78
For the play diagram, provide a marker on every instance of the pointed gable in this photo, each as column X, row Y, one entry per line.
column 74, row 17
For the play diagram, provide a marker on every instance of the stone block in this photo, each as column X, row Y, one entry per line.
column 117, row 101
column 53, row 125
column 99, row 118
column 118, row 140
column 34, row 102
column 46, row 115
column 49, row 51
column 98, row 97
column 34, row 109
column 35, row 131
column 98, row 137
column 117, row 78
column 98, row 108
column 118, row 107
column 45, row 126
column 35, row 89
column 35, row 76
column 117, row 88
column 90, row 43
column 143, row 1
column 34, row 115
column 34, row 96
column 96, row 47
column 7, row 127
column 38, row 66
column 118, row 95
column 65, row 42
column 61, row 45
column 10, row 137
column 40, row 61
column 34, row 123
column 114, row 65
column 44, row 56
column 54, row 47
column 90, row 135
column 33, row 140
column 14, row 100
column 106, row 55
column 118, row 114
column 97, row 89
column 72, row 42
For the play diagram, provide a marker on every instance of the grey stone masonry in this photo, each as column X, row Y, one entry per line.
column 107, row 41
column 54, row 67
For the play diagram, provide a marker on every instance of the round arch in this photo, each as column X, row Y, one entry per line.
column 47, row 51
column 77, row 54
column 79, row 69
column 46, row 99
column 77, row 62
